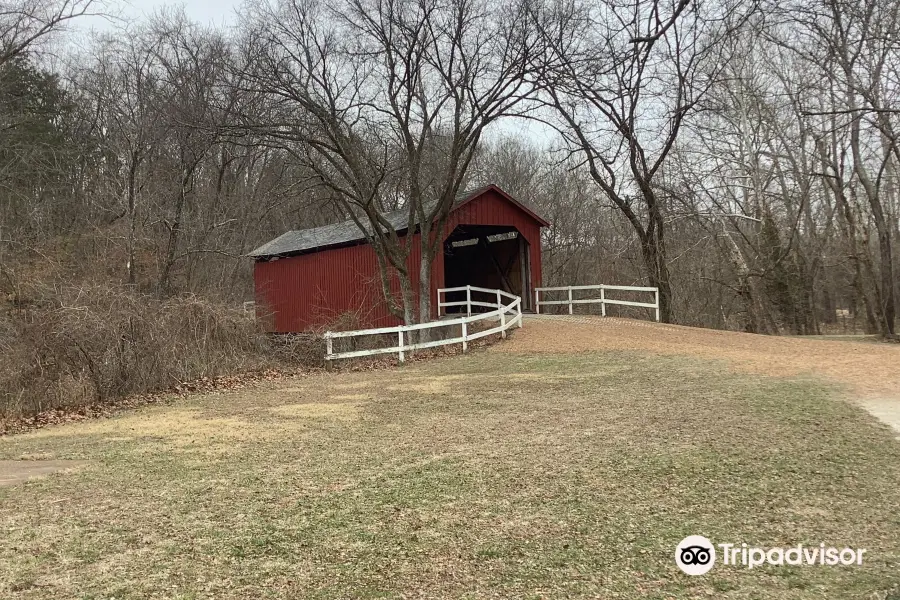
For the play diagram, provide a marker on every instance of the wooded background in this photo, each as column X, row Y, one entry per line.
column 741, row 155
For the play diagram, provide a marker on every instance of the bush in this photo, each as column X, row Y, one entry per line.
column 89, row 345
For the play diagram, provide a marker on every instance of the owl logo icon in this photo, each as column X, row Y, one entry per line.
column 695, row 555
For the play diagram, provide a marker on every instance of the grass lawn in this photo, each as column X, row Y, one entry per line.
column 482, row 476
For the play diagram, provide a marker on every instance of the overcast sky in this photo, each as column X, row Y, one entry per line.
column 222, row 13
column 206, row 12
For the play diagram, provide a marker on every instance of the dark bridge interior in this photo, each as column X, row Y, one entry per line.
column 494, row 257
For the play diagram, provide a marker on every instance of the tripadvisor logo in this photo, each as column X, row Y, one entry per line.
column 696, row 555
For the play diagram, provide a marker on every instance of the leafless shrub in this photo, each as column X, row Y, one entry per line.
column 96, row 343
column 305, row 349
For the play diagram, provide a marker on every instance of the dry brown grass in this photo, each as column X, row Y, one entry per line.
column 868, row 368
column 500, row 474
column 321, row 410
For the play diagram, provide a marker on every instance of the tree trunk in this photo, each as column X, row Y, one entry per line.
column 132, row 221
column 425, row 270
column 172, row 243
column 653, row 251
column 408, row 298
column 428, row 249
column 887, row 276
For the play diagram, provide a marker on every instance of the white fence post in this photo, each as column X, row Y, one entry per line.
column 468, row 301
column 502, row 316
column 465, row 337
column 519, row 306
column 602, row 302
column 400, row 353
column 657, row 305
column 329, row 346
column 537, row 301
column 570, row 300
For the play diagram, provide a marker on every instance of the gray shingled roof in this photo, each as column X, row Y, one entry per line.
column 323, row 237
column 337, row 234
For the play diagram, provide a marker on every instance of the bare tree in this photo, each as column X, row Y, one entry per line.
column 24, row 23
column 851, row 47
column 119, row 87
column 861, row 40
column 194, row 105
column 385, row 101
column 625, row 77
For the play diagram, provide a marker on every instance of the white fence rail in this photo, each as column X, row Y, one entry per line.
column 602, row 300
column 500, row 310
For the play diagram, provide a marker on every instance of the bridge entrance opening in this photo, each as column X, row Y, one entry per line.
column 488, row 256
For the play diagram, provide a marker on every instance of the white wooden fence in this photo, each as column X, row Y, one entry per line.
column 500, row 311
column 602, row 300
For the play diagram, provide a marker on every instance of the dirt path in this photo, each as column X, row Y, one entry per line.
column 870, row 370
column 17, row 471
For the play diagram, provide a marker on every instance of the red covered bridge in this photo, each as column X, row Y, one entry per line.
column 311, row 277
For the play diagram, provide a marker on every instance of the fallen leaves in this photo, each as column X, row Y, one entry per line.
column 104, row 409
